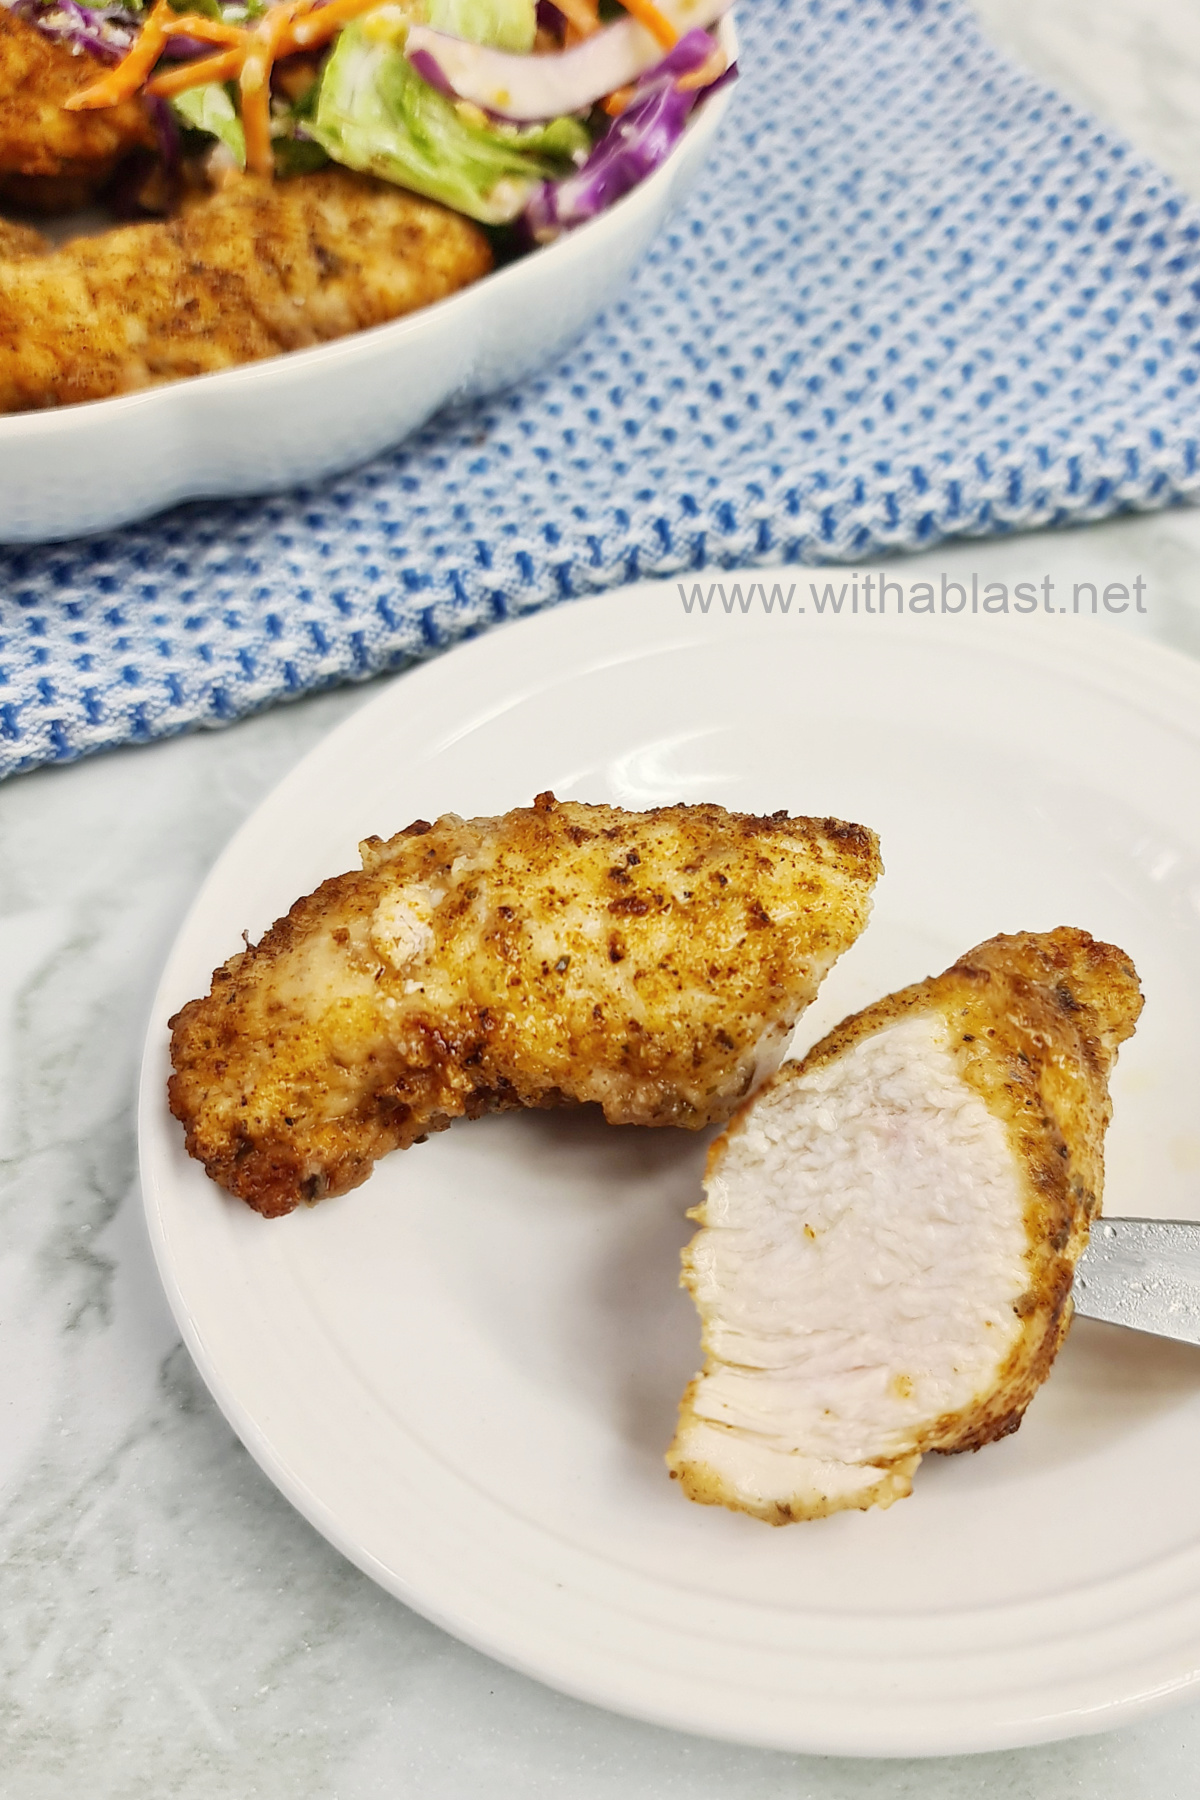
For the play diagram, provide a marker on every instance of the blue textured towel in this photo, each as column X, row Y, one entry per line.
column 916, row 295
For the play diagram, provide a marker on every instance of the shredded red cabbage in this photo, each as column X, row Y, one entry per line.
column 106, row 32
column 639, row 140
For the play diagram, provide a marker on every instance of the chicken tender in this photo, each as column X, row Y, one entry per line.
column 891, row 1230
column 653, row 963
column 256, row 269
column 52, row 160
column 18, row 241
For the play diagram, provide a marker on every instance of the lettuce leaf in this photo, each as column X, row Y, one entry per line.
column 504, row 24
column 209, row 108
column 374, row 113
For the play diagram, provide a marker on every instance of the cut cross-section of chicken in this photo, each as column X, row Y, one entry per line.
column 653, row 963
column 891, row 1229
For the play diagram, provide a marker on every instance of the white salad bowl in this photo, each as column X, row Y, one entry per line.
column 268, row 425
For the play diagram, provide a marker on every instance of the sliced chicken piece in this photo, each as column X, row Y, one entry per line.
column 52, row 160
column 891, row 1230
column 653, row 963
column 17, row 242
column 255, row 269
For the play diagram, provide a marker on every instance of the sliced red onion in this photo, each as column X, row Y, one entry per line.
column 636, row 143
column 427, row 68
column 530, row 88
column 550, row 19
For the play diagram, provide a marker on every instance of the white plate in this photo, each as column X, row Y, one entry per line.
column 269, row 425
column 465, row 1373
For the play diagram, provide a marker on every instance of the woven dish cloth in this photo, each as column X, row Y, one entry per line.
column 916, row 295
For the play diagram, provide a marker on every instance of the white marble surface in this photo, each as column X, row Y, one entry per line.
column 168, row 1626
column 1135, row 63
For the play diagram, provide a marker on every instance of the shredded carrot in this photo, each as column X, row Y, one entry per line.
column 256, row 124
column 205, row 31
column 251, row 52
column 124, row 81
column 582, row 17
column 226, row 67
column 255, row 87
column 615, row 103
column 318, row 27
column 659, row 26
column 286, row 27
column 710, row 70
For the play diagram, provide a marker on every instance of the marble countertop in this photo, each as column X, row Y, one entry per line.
column 169, row 1627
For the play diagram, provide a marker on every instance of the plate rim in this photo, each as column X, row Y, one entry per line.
column 1124, row 661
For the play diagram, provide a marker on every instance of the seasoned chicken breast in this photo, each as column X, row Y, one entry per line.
column 653, row 963
column 18, row 241
column 52, row 160
column 255, row 269
column 891, row 1229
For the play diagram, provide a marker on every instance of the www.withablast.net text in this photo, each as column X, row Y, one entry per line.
column 886, row 594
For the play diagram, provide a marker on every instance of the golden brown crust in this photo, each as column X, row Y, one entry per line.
column 1035, row 1022
column 20, row 241
column 576, row 954
column 52, row 159
column 259, row 268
